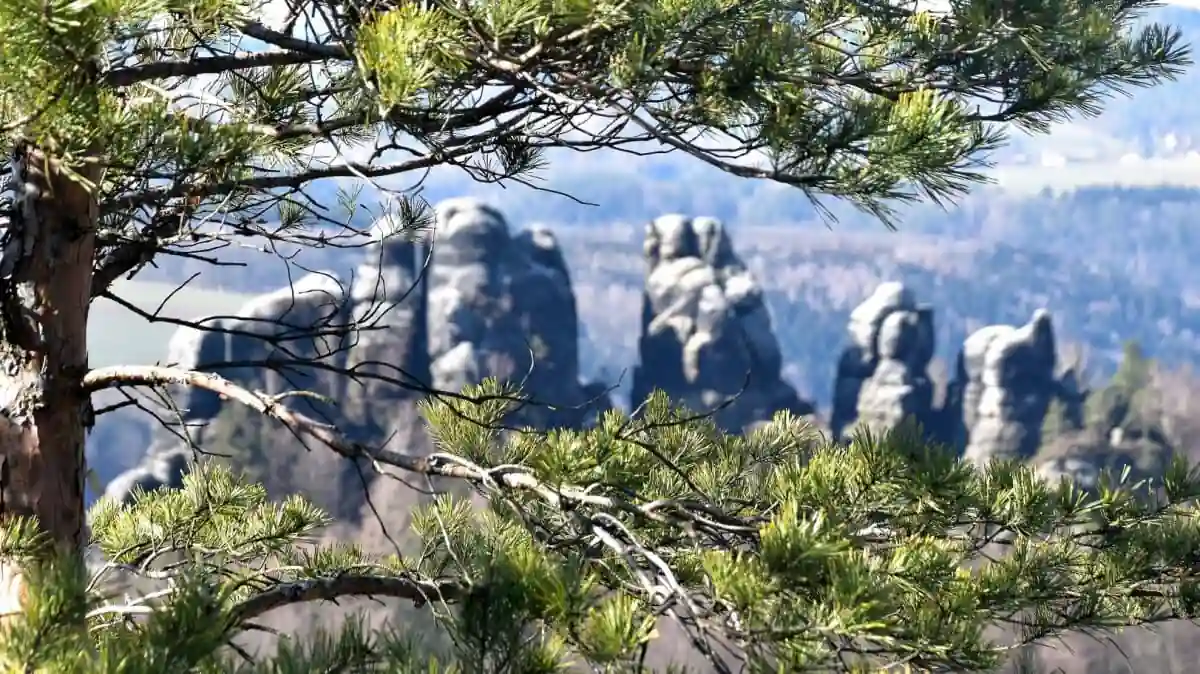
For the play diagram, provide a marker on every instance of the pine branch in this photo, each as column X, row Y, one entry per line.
column 270, row 182
column 336, row 587
column 283, row 41
column 665, row 511
column 210, row 65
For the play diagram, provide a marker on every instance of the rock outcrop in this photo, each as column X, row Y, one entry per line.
column 1127, row 428
column 1072, row 396
column 1004, row 396
column 503, row 306
column 479, row 302
column 882, row 376
column 277, row 342
column 900, row 387
column 162, row 469
column 996, row 405
column 706, row 336
column 1007, row 377
column 294, row 339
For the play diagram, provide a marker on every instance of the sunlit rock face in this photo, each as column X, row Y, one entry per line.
column 706, row 336
column 1007, row 377
column 882, row 377
column 501, row 304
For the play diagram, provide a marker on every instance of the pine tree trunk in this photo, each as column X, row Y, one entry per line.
column 45, row 291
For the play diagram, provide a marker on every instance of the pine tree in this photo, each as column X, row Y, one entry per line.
column 136, row 128
column 1134, row 372
column 1123, row 402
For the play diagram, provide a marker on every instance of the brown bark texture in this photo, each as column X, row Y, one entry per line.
column 45, row 289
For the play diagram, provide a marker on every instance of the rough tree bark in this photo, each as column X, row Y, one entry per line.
column 45, row 289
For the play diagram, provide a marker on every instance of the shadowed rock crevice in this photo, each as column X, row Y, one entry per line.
column 388, row 348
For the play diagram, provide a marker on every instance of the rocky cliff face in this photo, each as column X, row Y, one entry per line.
column 289, row 340
column 1008, row 381
column 706, row 335
column 502, row 306
column 882, row 375
column 475, row 302
column 478, row 300
column 996, row 404
column 280, row 341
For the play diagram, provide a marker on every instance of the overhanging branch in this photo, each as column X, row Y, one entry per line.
column 512, row 478
column 284, row 41
column 269, row 182
column 332, row 588
column 211, row 65
column 270, row 406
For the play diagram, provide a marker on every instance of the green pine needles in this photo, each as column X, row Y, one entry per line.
column 798, row 554
column 202, row 123
column 875, row 103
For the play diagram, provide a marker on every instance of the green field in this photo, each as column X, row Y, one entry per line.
column 118, row 336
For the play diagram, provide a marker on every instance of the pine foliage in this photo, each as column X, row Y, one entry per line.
column 219, row 105
column 802, row 554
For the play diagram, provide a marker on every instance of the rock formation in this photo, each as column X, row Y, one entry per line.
column 706, row 336
column 386, row 350
column 503, row 306
column 158, row 470
column 289, row 340
column 272, row 344
column 478, row 302
column 882, row 376
column 1072, row 395
column 1127, row 427
column 996, row 404
column 1007, row 383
